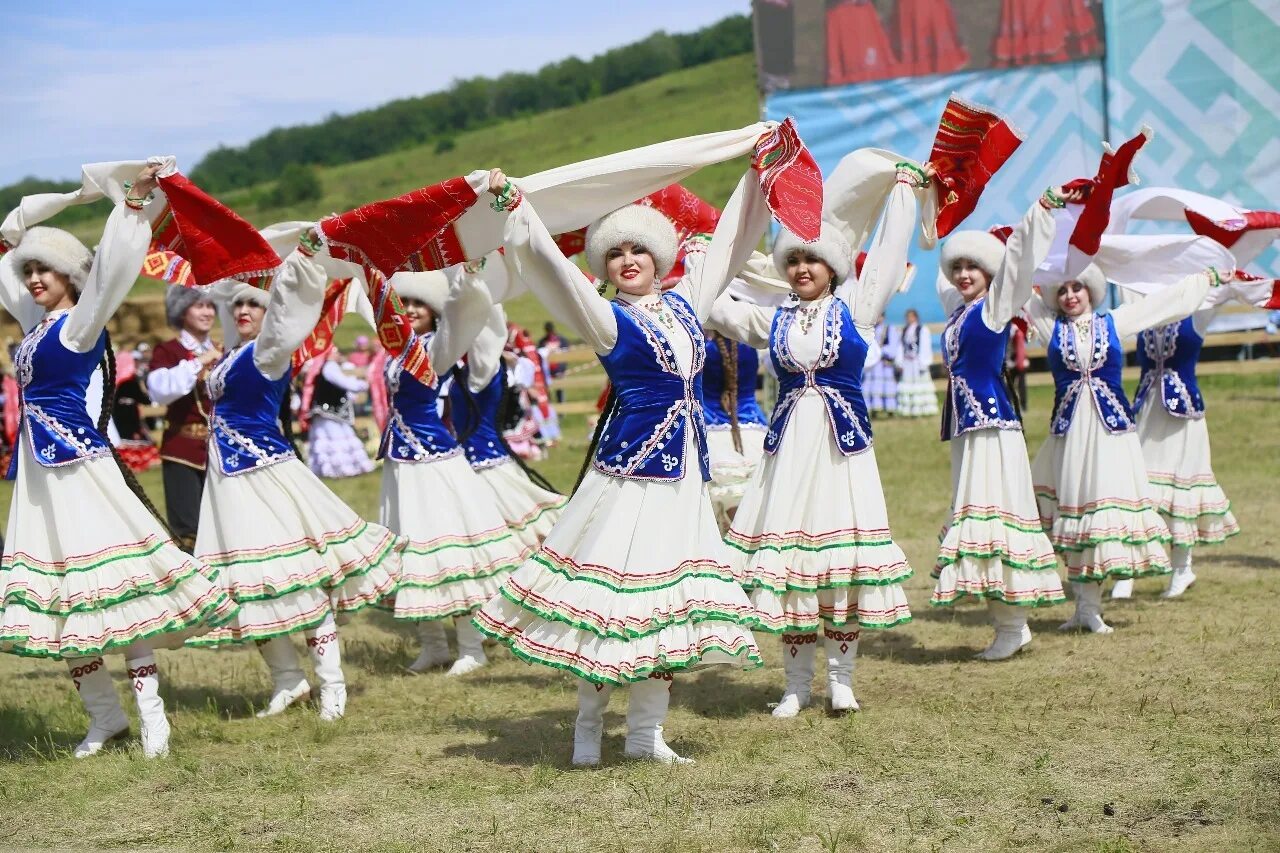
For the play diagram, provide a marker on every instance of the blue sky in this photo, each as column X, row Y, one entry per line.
column 122, row 80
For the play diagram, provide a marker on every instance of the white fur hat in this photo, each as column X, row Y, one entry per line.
column 57, row 250
column 431, row 287
column 238, row 291
column 635, row 223
column 178, row 299
column 981, row 247
column 1091, row 277
column 831, row 246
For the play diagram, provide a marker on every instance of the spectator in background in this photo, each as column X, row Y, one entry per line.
column 362, row 354
column 916, row 397
column 880, row 378
column 1016, row 364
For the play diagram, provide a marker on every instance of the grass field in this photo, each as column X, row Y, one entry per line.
column 1163, row 736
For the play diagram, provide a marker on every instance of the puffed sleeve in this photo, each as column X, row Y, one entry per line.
column 297, row 297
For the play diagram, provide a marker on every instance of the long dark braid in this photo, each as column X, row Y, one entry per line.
column 104, row 418
column 460, row 375
column 286, row 419
column 729, row 392
column 610, row 405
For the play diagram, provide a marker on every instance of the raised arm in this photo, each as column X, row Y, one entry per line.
column 297, row 297
column 887, row 258
column 1042, row 320
column 484, row 357
column 1025, row 250
column 1164, row 306
column 465, row 311
column 741, row 321
column 14, row 297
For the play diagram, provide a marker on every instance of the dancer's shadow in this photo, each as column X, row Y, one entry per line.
column 903, row 646
column 526, row 740
column 975, row 614
column 722, row 694
column 27, row 737
column 1246, row 561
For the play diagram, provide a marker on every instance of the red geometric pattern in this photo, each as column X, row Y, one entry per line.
column 971, row 145
column 792, row 641
column 79, row 672
column 790, row 180
column 321, row 337
column 167, row 266
column 320, row 640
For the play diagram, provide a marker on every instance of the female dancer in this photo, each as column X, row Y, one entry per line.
column 333, row 448
column 1091, row 482
column 290, row 551
column 88, row 569
column 459, row 546
column 880, row 377
column 736, row 424
column 992, row 545
column 632, row 584
column 477, row 400
column 812, row 527
column 1175, row 435
column 916, row 397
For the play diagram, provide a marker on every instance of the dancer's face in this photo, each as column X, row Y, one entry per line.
column 198, row 319
column 1074, row 300
column 420, row 315
column 50, row 289
column 631, row 269
column 248, row 316
column 969, row 278
column 808, row 275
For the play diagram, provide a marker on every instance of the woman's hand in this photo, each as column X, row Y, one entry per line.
column 1075, row 196
column 497, row 180
column 146, row 182
column 209, row 357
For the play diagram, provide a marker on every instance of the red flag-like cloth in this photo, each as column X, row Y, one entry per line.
column 520, row 341
column 1228, row 233
column 971, row 146
column 790, row 180
column 331, row 313
column 572, row 242
column 164, row 265
column 210, row 237
column 1113, row 173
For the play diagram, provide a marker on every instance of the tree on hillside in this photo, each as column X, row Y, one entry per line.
column 297, row 183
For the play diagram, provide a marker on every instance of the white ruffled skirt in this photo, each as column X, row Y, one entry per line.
column 916, row 394
column 334, row 449
column 289, row 551
column 460, row 548
column 1096, row 503
column 87, row 569
column 731, row 471
column 993, row 545
column 529, row 510
column 632, row 580
column 1183, row 486
column 811, row 542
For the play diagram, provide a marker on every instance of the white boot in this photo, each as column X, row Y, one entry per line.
column 1074, row 622
column 471, row 654
column 1182, row 577
column 797, row 666
column 146, row 690
column 107, row 719
column 646, row 710
column 1012, row 632
column 1123, row 588
column 842, row 651
column 326, row 659
column 1089, row 609
column 435, row 647
column 288, row 684
column 589, row 727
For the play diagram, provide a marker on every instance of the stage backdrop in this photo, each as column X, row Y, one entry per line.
column 1205, row 80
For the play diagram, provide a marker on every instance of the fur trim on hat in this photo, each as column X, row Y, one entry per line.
column 178, row 299
column 831, row 246
column 1091, row 277
column 247, row 292
column 57, row 250
column 431, row 287
column 981, row 247
column 635, row 223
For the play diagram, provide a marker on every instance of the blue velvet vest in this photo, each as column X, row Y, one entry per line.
column 644, row 438
column 974, row 356
column 53, row 380
column 1099, row 378
column 837, row 376
column 475, row 418
column 1168, row 357
column 749, row 411
column 415, row 432
column 244, row 426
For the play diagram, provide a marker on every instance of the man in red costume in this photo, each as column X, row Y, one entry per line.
column 176, row 380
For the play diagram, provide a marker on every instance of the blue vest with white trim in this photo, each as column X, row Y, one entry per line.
column 974, row 356
column 475, row 419
column 1168, row 356
column 1098, row 379
column 749, row 411
column 415, row 432
column 244, row 426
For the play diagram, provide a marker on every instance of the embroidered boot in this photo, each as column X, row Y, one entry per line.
column 797, row 666
column 435, row 647
column 646, row 711
column 1012, row 633
column 471, row 654
column 288, row 684
column 146, row 690
column 588, row 729
column 1123, row 588
column 842, row 651
column 107, row 720
column 1182, row 578
column 326, row 658
column 1089, row 609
